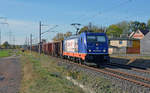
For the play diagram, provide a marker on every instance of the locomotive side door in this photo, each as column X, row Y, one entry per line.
column 82, row 44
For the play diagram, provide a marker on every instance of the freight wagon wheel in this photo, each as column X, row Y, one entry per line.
column 76, row 60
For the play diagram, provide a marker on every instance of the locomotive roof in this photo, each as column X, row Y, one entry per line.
column 72, row 37
column 88, row 33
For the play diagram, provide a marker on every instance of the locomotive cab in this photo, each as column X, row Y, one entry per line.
column 96, row 44
column 96, row 47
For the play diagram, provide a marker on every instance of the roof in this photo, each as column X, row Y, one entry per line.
column 122, row 38
column 110, row 46
column 144, row 31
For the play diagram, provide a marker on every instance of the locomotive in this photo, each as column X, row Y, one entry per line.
column 84, row 48
column 87, row 48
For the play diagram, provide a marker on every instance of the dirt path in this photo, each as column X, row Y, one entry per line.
column 10, row 75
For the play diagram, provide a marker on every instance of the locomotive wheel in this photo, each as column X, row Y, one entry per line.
column 84, row 62
column 80, row 61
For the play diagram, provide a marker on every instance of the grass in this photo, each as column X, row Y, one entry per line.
column 42, row 75
column 5, row 53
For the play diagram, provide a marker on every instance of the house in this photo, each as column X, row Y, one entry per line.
column 124, row 45
column 120, row 42
column 139, row 34
column 145, row 44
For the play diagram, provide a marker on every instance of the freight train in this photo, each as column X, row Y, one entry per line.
column 84, row 48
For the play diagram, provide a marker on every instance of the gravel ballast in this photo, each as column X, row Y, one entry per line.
column 121, row 86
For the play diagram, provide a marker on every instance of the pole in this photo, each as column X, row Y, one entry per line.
column 77, row 31
column 90, row 26
column 14, row 42
column 28, row 42
column 31, row 43
column 5, row 19
column 0, row 37
column 40, row 37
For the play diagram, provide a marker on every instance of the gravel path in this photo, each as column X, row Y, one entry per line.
column 10, row 75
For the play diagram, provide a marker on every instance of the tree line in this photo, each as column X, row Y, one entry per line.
column 123, row 28
column 6, row 45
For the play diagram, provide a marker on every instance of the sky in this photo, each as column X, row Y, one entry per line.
column 23, row 16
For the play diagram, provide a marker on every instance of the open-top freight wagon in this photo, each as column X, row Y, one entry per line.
column 53, row 48
column 35, row 48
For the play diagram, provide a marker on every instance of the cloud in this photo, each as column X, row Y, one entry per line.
column 26, row 26
column 19, row 29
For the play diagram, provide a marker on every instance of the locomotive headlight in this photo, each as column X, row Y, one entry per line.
column 104, row 50
column 90, row 50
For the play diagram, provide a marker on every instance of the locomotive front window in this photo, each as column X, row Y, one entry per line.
column 101, row 39
column 91, row 38
column 96, row 38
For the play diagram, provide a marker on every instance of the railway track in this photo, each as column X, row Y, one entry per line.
column 139, row 80
column 134, row 68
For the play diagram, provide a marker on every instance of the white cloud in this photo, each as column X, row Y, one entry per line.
column 20, row 29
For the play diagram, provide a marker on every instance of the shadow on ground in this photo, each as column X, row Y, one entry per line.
column 132, row 61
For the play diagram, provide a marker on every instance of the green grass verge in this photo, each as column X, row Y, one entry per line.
column 5, row 53
column 42, row 75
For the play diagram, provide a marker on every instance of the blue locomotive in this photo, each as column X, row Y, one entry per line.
column 87, row 48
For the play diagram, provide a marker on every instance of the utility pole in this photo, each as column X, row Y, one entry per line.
column 90, row 26
column 25, row 45
column 40, row 37
column 10, row 37
column 27, row 38
column 0, row 37
column 14, row 42
column 3, row 23
column 27, row 42
column 31, row 43
column 41, row 33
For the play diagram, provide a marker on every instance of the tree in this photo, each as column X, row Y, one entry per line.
column 148, row 24
column 114, row 30
column 98, row 29
column 83, row 29
column 135, row 25
column 67, row 34
column 92, row 28
column 61, row 36
column 5, row 44
column 124, row 25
